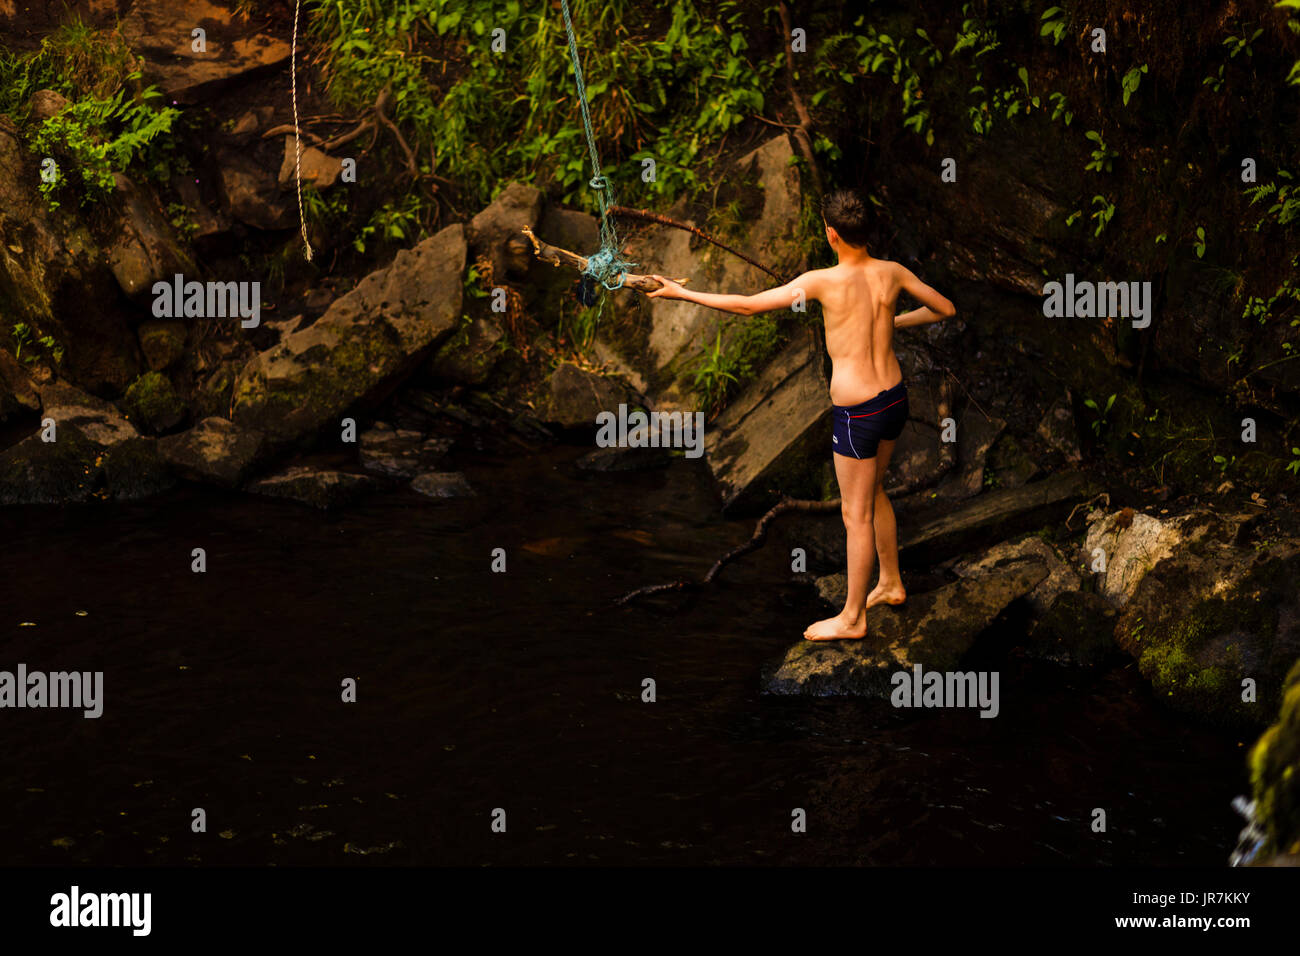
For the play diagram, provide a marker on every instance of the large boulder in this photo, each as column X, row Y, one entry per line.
column 669, row 335
column 572, row 397
column 54, row 279
column 162, row 341
column 996, row 515
column 921, row 457
column 251, row 193
column 1214, row 620
column 1060, row 579
column 496, row 233
column 18, row 393
column 1133, row 542
column 361, row 348
column 774, row 439
column 468, row 357
column 234, row 51
column 96, row 452
column 215, row 451
column 142, row 247
column 934, row 629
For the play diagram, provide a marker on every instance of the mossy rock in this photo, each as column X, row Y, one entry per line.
column 132, row 469
column 57, row 472
column 1275, row 775
column 1198, row 631
column 152, row 403
column 162, row 342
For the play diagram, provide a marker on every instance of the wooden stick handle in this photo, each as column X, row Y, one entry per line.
column 557, row 256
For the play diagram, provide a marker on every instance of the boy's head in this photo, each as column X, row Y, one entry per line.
column 845, row 211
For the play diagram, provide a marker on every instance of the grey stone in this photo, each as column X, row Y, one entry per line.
column 934, row 629
column 215, row 451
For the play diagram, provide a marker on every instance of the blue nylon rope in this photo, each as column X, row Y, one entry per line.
column 605, row 266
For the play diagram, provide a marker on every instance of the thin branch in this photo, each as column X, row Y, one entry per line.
column 648, row 216
column 411, row 166
column 803, row 134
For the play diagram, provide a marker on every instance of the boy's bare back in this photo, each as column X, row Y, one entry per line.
column 858, row 308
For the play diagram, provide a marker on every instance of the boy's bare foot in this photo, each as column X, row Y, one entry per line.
column 887, row 594
column 838, row 628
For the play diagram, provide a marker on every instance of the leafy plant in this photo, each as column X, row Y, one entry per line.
column 1053, row 20
column 1102, row 155
column 1286, row 209
column 97, row 137
column 1059, row 108
column 1132, row 79
column 1103, row 214
column 1199, row 244
column 392, row 222
column 714, row 375
column 24, row 335
column 1100, row 421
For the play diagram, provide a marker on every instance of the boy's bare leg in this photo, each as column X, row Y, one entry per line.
column 889, row 590
column 857, row 480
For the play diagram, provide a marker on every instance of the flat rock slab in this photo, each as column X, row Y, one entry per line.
column 997, row 515
column 235, row 51
column 401, row 453
column 934, row 629
column 443, row 484
column 762, row 441
column 319, row 487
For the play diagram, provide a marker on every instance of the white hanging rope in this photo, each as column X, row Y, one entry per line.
column 297, row 133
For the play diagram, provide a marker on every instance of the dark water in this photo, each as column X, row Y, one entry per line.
column 522, row 691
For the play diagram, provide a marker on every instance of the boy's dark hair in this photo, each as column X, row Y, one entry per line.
column 845, row 211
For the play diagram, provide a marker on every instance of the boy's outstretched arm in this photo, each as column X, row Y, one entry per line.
column 934, row 307
column 782, row 297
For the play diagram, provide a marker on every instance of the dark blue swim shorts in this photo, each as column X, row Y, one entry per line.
column 858, row 429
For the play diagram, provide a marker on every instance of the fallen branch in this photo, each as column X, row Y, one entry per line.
column 649, row 216
column 557, row 256
column 785, row 506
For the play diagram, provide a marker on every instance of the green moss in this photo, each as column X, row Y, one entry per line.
column 152, row 404
column 330, row 383
column 1275, row 777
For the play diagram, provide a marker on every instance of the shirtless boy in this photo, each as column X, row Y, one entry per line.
column 867, row 390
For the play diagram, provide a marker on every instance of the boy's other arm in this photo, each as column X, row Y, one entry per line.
column 803, row 288
column 934, row 307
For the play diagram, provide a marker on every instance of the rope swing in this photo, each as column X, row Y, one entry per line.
column 606, row 265
column 297, row 133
